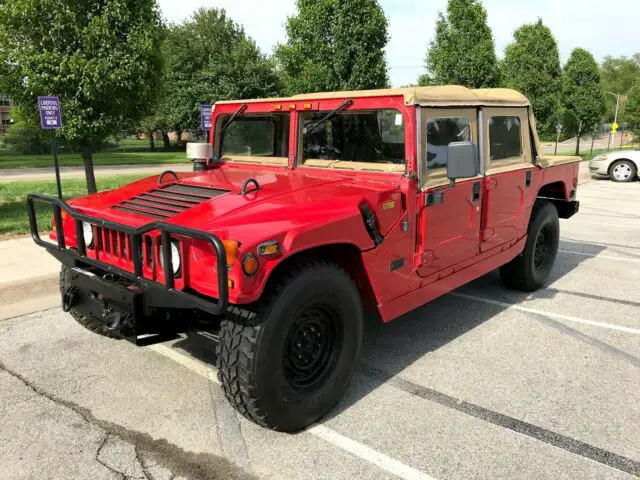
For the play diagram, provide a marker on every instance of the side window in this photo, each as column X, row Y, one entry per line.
column 440, row 133
column 505, row 138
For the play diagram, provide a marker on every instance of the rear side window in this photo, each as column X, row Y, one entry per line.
column 505, row 137
column 440, row 133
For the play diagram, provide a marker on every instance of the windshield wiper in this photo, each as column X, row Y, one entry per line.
column 241, row 109
column 342, row 106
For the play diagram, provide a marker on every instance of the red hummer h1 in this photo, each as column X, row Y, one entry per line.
column 307, row 212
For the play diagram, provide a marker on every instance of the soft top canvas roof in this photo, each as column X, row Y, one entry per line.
column 441, row 95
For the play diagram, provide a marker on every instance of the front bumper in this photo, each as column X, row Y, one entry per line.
column 599, row 167
column 156, row 295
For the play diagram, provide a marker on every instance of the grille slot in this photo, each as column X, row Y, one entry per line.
column 168, row 201
column 114, row 244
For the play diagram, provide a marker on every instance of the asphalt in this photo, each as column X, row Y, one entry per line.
column 483, row 383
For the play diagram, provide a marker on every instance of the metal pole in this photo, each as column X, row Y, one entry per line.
column 621, row 139
column 555, row 151
column 54, row 148
column 593, row 139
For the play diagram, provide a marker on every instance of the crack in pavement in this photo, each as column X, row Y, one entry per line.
column 188, row 465
column 97, row 457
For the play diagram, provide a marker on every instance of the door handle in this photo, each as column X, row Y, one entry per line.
column 475, row 192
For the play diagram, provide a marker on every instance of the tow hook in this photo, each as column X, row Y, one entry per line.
column 69, row 298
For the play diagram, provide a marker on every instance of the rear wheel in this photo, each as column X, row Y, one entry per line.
column 90, row 323
column 530, row 270
column 286, row 362
column 623, row 171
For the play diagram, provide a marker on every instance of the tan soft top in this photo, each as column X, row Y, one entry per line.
column 441, row 95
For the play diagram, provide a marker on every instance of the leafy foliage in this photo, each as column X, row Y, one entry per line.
column 619, row 75
column 631, row 110
column 462, row 51
column 210, row 58
column 335, row 45
column 582, row 93
column 100, row 57
column 531, row 65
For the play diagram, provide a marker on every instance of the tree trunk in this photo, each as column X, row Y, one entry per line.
column 578, row 139
column 165, row 139
column 87, row 158
column 152, row 143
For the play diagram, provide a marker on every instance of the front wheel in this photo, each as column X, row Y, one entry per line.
column 530, row 270
column 623, row 171
column 286, row 362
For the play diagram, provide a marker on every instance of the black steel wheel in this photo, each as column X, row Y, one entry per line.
column 530, row 270
column 284, row 363
column 311, row 348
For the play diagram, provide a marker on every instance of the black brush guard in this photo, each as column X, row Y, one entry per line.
column 156, row 294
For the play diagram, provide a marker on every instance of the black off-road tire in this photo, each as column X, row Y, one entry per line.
column 531, row 269
column 256, row 360
column 628, row 173
column 90, row 323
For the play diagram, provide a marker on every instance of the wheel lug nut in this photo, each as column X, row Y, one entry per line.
column 299, row 344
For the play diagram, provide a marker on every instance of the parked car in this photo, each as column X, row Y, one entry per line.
column 620, row 166
column 302, row 214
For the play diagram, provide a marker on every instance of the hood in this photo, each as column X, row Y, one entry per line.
column 212, row 200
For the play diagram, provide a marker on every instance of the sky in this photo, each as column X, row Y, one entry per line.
column 603, row 28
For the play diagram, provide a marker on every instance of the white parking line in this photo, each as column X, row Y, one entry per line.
column 598, row 224
column 605, row 257
column 559, row 316
column 354, row 447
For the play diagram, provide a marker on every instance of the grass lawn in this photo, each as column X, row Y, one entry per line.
column 13, row 210
column 12, row 160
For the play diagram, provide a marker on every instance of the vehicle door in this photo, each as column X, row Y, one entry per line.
column 449, row 217
column 508, row 175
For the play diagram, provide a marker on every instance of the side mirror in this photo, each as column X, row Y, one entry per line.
column 463, row 160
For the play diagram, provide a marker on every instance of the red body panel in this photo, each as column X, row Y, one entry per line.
column 426, row 252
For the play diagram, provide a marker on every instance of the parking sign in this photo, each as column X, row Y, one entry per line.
column 50, row 116
column 205, row 117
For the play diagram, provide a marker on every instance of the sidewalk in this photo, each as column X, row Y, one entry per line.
column 28, row 279
column 20, row 174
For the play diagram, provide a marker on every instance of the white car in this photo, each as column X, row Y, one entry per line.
column 621, row 166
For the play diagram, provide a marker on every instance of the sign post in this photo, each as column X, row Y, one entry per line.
column 205, row 119
column 51, row 119
column 558, row 131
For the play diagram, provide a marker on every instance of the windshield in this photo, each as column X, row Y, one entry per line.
column 259, row 137
column 355, row 140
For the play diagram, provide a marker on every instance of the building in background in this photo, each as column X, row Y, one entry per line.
column 5, row 112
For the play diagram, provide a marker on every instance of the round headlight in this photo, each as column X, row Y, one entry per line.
column 175, row 257
column 87, row 233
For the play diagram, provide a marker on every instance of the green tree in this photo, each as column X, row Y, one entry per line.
column 631, row 109
column 532, row 66
column 462, row 52
column 618, row 76
column 101, row 57
column 582, row 93
column 335, row 45
column 210, row 58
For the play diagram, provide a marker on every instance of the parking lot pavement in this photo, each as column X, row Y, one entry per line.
column 481, row 383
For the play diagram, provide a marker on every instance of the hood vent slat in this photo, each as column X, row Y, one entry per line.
column 168, row 201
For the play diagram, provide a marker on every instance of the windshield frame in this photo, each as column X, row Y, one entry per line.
column 218, row 131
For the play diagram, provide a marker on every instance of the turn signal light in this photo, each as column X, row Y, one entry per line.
column 268, row 248
column 63, row 215
column 292, row 106
column 231, row 247
column 250, row 265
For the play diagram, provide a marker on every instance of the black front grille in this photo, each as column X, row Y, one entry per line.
column 168, row 201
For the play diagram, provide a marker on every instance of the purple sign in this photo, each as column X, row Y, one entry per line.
column 205, row 117
column 50, row 116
